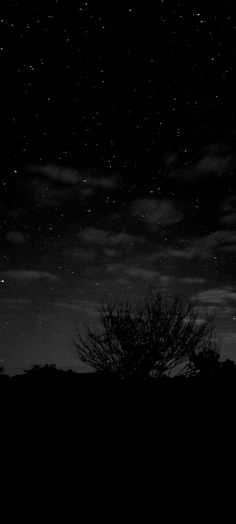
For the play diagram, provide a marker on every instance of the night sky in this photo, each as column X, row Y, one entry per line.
column 118, row 131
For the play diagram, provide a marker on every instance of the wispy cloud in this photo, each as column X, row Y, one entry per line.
column 219, row 302
column 229, row 337
column 68, row 305
column 102, row 181
column 78, row 254
column 86, row 306
column 57, row 173
column 16, row 237
column 220, row 295
column 214, row 159
column 46, row 194
column 53, row 185
column 110, row 252
column 28, row 275
column 106, row 238
column 136, row 271
column 212, row 164
column 68, row 175
column 155, row 213
column 145, row 274
column 13, row 303
column 192, row 280
column 132, row 271
column 165, row 280
column 228, row 210
column 223, row 241
column 229, row 219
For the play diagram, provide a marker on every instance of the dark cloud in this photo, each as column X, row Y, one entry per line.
column 139, row 272
column 95, row 236
column 218, row 302
column 46, row 194
column 111, row 252
column 16, row 237
column 28, row 275
column 60, row 185
column 104, row 182
column 13, row 303
column 192, row 280
column 89, row 307
column 205, row 247
column 57, row 173
column 220, row 295
column 212, row 165
column 229, row 220
column 79, row 254
column 143, row 273
column 228, row 210
column 67, row 175
column 155, row 213
column 215, row 159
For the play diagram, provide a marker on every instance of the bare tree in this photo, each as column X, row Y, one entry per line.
column 146, row 339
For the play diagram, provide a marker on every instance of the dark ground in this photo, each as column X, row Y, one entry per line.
column 90, row 440
column 54, row 392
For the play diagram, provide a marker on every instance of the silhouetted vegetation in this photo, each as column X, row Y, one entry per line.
column 153, row 360
column 91, row 402
column 149, row 340
column 47, row 372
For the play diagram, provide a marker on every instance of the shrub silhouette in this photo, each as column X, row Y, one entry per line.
column 37, row 370
column 205, row 362
column 148, row 339
column 48, row 372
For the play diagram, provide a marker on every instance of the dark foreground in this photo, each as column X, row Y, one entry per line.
column 102, row 440
column 49, row 392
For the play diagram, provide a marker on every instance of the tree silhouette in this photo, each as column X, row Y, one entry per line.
column 148, row 339
column 205, row 362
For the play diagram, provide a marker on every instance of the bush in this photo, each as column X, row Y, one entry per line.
column 148, row 339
